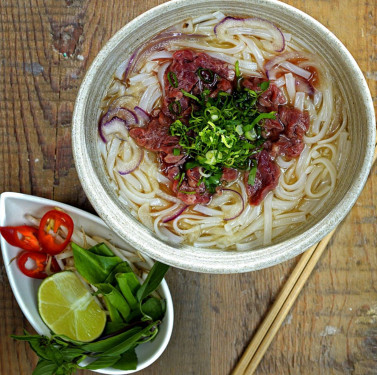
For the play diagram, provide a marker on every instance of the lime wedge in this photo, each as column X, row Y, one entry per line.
column 68, row 308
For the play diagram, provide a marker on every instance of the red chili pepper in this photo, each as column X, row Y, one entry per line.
column 53, row 220
column 40, row 260
column 24, row 237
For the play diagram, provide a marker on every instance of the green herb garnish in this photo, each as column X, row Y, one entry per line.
column 173, row 80
column 175, row 108
column 222, row 132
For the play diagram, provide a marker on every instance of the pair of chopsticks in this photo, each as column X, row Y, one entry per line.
column 285, row 300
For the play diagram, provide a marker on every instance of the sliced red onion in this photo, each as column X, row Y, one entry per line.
column 242, row 201
column 126, row 116
column 302, row 85
column 115, row 126
column 142, row 115
column 123, row 113
column 159, row 43
column 175, row 215
column 252, row 23
column 132, row 165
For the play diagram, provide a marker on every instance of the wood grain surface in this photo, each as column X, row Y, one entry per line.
column 46, row 46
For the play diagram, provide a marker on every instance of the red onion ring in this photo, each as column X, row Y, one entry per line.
column 229, row 22
column 142, row 115
column 123, row 114
column 243, row 204
column 115, row 125
column 158, row 43
column 133, row 166
column 304, row 86
column 174, row 216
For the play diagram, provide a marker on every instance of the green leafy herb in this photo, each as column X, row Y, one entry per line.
column 176, row 151
column 173, row 80
column 93, row 267
column 153, row 280
column 224, row 131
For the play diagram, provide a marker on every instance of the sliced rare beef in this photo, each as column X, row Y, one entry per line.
column 185, row 67
column 229, row 174
column 155, row 136
column 270, row 99
column 191, row 194
column 266, row 179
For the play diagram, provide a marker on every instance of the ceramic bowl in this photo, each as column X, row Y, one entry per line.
column 102, row 196
column 13, row 207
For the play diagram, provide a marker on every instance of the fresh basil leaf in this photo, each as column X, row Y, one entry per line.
column 94, row 268
column 101, row 249
column 114, row 297
column 67, row 369
column 154, row 308
column 72, row 354
column 128, row 285
column 112, row 327
column 45, row 367
column 103, row 362
column 123, row 267
column 153, row 280
column 108, row 343
column 132, row 341
column 128, row 361
column 45, row 350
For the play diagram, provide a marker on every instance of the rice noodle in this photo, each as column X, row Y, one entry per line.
column 305, row 183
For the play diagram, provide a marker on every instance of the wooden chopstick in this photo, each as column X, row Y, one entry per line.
column 287, row 296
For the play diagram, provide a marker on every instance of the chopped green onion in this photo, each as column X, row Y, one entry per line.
column 176, row 152
column 237, row 69
column 175, row 108
column 173, row 80
column 182, row 176
column 224, row 131
column 206, row 75
column 185, row 93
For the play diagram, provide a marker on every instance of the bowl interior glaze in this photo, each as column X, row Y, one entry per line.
column 103, row 197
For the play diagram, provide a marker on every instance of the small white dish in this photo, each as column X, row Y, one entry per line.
column 13, row 207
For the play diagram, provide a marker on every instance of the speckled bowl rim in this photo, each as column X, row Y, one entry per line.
column 201, row 259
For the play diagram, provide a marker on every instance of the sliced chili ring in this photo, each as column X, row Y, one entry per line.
column 24, row 236
column 52, row 221
column 38, row 271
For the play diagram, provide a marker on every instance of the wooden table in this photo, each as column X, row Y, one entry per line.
column 46, row 46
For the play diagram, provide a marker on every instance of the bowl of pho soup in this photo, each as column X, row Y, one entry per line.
column 223, row 137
